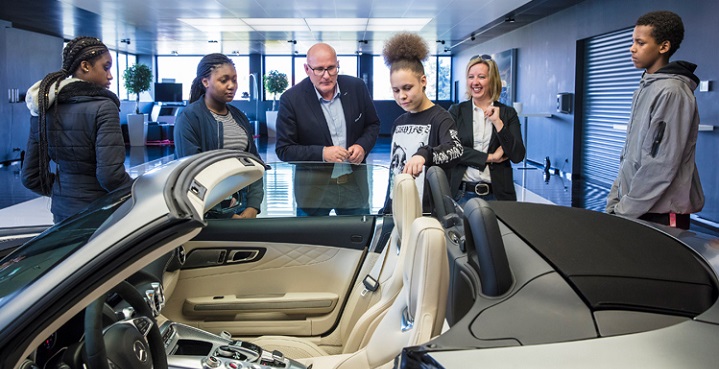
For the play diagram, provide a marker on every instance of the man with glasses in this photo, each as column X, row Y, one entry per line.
column 327, row 118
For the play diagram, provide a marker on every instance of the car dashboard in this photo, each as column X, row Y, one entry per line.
column 189, row 347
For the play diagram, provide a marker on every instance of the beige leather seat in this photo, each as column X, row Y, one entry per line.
column 416, row 316
column 364, row 308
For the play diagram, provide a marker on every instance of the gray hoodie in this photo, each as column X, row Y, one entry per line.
column 657, row 171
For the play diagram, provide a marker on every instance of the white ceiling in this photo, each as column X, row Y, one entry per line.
column 154, row 26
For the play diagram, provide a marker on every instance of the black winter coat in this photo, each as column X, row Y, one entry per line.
column 86, row 144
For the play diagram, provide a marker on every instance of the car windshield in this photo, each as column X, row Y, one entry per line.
column 28, row 263
column 315, row 189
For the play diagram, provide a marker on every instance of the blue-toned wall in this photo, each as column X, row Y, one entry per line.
column 547, row 65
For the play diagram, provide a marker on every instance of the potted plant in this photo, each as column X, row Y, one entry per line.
column 275, row 83
column 137, row 80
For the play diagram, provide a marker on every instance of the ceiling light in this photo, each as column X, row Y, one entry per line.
column 274, row 21
column 212, row 21
column 337, row 24
column 219, row 25
column 215, row 25
column 277, row 24
column 509, row 20
column 397, row 24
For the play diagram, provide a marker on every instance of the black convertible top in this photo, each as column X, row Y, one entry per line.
column 614, row 263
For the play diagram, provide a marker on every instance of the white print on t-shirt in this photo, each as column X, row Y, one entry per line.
column 442, row 157
column 406, row 140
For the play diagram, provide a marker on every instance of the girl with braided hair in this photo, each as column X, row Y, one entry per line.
column 75, row 124
column 426, row 133
column 211, row 123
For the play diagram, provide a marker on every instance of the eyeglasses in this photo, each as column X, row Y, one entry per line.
column 483, row 57
column 332, row 71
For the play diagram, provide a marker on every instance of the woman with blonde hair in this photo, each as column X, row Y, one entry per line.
column 490, row 134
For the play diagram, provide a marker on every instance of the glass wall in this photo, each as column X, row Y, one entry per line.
column 183, row 69
column 348, row 65
column 444, row 78
column 381, row 88
column 282, row 64
column 242, row 66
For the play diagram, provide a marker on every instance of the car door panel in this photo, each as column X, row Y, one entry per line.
column 295, row 284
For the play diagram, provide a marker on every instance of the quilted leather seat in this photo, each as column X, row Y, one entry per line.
column 417, row 314
column 364, row 309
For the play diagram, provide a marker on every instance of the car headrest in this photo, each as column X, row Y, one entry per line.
column 483, row 236
column 406, row 205
column 441, row 196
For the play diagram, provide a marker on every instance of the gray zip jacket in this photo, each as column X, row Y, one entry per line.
column 657, row 171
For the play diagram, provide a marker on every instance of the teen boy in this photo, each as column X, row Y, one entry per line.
column 658, row 179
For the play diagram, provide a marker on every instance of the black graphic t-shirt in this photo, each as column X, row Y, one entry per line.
column 432, row 134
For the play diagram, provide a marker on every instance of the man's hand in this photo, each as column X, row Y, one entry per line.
column 356, row 153
column 414, row 165
column 335, row 154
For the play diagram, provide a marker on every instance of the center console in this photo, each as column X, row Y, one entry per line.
column 192, row 348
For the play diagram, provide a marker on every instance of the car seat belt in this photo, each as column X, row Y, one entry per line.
column 371, row 281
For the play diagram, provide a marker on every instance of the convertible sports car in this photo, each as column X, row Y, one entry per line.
column 141, row 279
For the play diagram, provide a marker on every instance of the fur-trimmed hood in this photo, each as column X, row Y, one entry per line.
column 66, row 91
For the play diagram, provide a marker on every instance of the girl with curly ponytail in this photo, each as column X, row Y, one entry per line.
column 426, row 134
column 75, row 124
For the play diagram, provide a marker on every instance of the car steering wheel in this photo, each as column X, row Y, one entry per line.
column 133, row 343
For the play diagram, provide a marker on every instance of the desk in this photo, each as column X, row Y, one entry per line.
column 526, row 138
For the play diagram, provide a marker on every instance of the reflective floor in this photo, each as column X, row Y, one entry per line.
column 19, row 206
